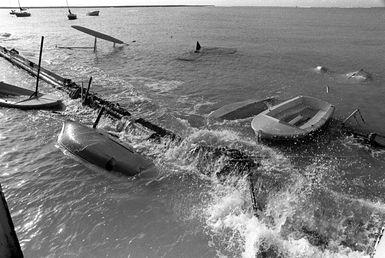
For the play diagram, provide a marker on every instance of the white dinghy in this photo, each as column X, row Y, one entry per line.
column 293, row 119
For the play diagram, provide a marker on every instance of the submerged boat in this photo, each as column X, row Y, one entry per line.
column 293, row 119
column 93, row 13
column 16, row 97
column 242, row 109
column 101, row 149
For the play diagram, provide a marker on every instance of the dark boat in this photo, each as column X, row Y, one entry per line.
column 23, row 11
column 93, row 13
column 101, row 149
column 9, row 244
column 71, row 16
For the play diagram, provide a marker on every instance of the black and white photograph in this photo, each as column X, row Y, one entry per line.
column 192, row 129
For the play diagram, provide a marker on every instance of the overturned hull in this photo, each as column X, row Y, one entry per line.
column 101, row 149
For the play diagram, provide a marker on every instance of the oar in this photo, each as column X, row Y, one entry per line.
column 38, row 69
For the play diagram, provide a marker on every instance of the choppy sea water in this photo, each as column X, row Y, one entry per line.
column 322, row 199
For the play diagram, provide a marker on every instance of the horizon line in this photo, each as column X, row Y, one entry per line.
column 140, row 6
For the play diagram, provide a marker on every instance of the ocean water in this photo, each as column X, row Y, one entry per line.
column 321, row 199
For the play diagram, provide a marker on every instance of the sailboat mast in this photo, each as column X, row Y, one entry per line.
column 19, row 5
column 67, row 6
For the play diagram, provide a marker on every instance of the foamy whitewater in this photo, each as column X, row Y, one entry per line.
column 320, row 199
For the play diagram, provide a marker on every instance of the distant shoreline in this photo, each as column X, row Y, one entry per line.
column 167, row 6
column 92, row 6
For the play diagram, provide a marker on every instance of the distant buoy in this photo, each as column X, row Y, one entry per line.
column 321, row 69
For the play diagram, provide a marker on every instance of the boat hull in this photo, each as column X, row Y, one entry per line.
column 93, row 13
column 243, row 109
column 16, row 97
column 294, row 119
column 72, row 16
column 99, row 148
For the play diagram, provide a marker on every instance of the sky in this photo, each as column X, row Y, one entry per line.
column 305, row 3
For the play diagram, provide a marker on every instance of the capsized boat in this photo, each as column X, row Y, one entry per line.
column 16, row 97
column 242, row 109
column 292, row 119
column 101, row 149
column 93, row 13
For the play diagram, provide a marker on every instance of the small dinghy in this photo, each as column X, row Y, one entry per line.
column 101, row 149
column 16, row 97
column 293, row 119
column 242, row 109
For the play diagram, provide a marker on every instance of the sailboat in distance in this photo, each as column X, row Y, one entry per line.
column 23, row 12
column 71, row 16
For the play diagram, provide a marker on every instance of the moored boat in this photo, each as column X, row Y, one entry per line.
column 72, row 16
column 295, row 118
column 22, row 14
column 101, row 149
column 93, row 13
column 16, row 97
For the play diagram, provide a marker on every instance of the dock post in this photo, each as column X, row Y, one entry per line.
column 95, row 45
column 98, row 118
column 85, row 101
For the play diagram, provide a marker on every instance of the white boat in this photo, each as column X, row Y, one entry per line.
column 16, row 97
column 101, row 149
column 295, row 118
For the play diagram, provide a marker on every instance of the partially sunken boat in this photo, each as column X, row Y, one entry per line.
column 242, row 109
column 16, row 97
column 101, row 149
column 295, row 118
